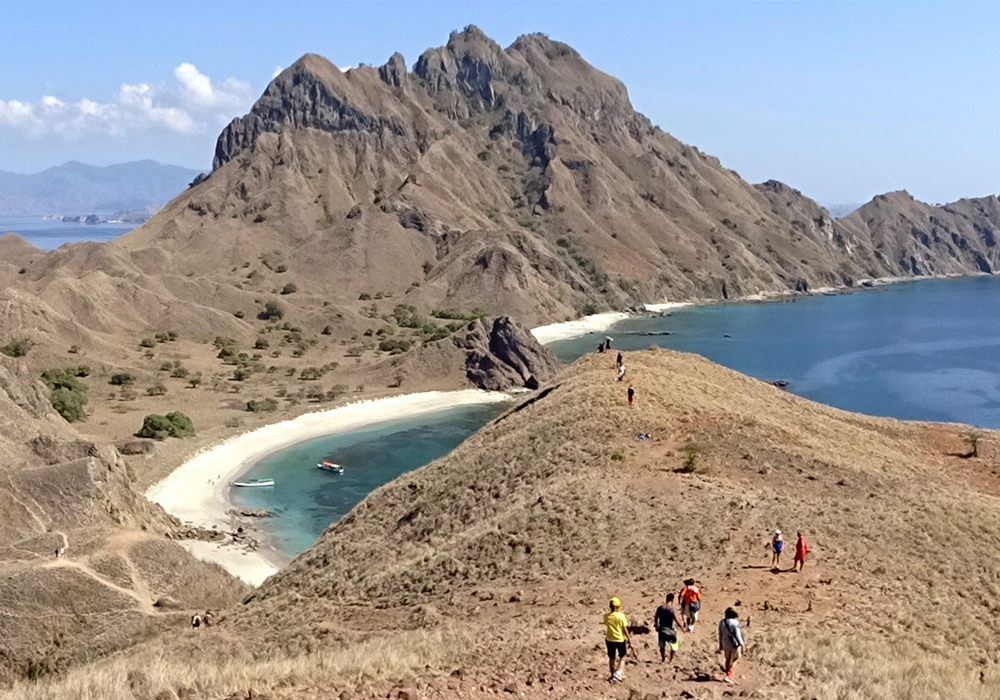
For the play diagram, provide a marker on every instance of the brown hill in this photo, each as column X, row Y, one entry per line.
column 58, row 491
column 488, row 570
column 520, row 180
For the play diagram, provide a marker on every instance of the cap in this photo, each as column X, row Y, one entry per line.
column 615, row 603
column 777, row 532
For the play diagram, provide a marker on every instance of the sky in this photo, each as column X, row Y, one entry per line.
column 842, row 100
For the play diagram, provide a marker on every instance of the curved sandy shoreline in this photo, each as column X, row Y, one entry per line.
column 595, row 323
column 197, row 492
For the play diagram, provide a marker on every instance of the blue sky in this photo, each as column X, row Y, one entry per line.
column 842, row 100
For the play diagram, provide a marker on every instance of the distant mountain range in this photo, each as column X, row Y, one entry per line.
column 75, row 188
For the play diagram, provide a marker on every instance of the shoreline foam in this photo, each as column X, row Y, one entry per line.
column 197, row 492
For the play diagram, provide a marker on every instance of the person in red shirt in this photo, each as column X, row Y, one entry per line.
column 801, row 550
column 631, row 395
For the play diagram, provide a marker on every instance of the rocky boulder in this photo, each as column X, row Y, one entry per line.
column 501, row 354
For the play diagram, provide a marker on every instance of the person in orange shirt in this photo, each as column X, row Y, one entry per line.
column 690, row 597
column 801, row 550
column 616, row 639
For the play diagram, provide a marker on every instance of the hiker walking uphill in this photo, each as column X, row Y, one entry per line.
column 664, row 620
column 631, row 396
column 690, row 597
column 777, row 547
column 616, row 639
column 730, row 642
column 801, row 550
column 618, row 362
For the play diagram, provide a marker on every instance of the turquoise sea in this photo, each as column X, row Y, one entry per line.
column 925, row 350
column 48, row 235
column 922, row 350
column 305, row 500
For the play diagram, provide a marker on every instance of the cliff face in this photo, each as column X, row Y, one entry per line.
column 501, row 355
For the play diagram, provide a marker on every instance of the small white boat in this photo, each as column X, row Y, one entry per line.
column 254, row 482
column 331, row 467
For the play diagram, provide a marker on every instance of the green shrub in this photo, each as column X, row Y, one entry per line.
column 67, row 393
column 174, row 424
column 147, row 343
column 261, row 344
column 18, row 347
column 394, row 346
column 122, row 379
column 272, row 310
column 156, row 390
column 289, row 288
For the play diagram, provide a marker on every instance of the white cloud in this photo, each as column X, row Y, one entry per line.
column 190, row 105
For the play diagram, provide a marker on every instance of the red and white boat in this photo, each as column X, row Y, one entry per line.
column 331, row 467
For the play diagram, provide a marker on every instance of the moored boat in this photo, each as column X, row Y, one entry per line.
column 331, row 467
column 254, row 482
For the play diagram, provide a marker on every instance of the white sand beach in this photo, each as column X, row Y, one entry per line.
column 197, row 492
column 581, row 326
column 596, row 323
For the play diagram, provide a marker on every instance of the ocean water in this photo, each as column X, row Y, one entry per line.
column 306, row 500
column 927, row 350
column 924, row 350
column 48, row 235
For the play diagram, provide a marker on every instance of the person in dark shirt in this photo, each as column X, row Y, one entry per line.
column 663, row 620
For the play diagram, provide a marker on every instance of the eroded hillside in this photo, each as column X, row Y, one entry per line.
column 487, row 571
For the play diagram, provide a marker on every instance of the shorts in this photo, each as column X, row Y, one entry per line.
column 732, row 655
column 665, row 637
column 616, row 647
column 778, row 547
column 694, row 606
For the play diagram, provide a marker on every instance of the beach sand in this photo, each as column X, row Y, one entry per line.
column 581, row 326
column 596, row 323
column 197, row 492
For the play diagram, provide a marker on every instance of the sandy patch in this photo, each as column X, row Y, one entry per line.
column 667, row 306
column 581, row 326
column 197, row 492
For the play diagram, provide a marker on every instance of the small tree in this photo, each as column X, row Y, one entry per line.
column 272, row 311
column 195, row 381
column 122, row 379
column 159, row 427
column 68, row 394
column 18, row 347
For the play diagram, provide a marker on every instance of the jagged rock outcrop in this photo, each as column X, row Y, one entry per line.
column 500, row 355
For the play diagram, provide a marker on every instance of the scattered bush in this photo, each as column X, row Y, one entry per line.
column 240, row 374
column 156, row 390
column 694, row 453
column 195, row 381
column 588, row 309
column 239, row 314
column 18, row 347
column 262, row 406
column 289, row 288
column 74, row 349
column 311, row 373
column 272, row 311
column 122, row 379
column 179, row 372
column 67, row 393
column 364, row 296
column 327, row 330
column 147, row 343
column 394, row 346
column 174, row 424
column 261, row 344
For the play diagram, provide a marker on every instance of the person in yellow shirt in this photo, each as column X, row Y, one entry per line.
column 616, row 639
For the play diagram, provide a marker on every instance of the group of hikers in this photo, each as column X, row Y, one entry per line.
column 666, row 619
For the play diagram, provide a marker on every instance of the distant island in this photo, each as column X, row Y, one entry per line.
column 126, row 216
column 125, row 190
